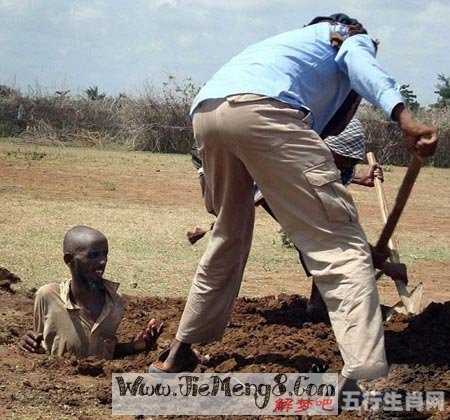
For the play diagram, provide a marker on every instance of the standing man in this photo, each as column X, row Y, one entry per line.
column 348, row 149
column 259, row 119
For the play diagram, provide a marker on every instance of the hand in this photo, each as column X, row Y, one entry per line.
column 396, row 271
column 32, row 342
column 147, row 339
column 421, row 139
column 379, row 256
column 375, row 171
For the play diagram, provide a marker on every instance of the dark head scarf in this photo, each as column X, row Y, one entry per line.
column 355, row 27
column 337, row 17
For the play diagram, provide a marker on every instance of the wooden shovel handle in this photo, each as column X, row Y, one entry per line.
column 382, row 200
column 400, row 201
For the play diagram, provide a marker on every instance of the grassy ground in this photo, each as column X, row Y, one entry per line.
column 146, row 202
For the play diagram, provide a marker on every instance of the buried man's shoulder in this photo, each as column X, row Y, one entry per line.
column 47, row 292
column 48, row 288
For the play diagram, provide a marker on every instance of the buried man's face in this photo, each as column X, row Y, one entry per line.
column 89, row 262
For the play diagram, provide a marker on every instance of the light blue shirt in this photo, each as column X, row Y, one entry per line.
column 301, row 68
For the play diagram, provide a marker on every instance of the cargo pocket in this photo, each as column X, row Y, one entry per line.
column 336, row 200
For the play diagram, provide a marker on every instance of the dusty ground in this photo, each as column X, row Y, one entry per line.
column 270, row 334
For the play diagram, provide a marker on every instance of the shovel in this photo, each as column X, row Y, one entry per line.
column 410, row 303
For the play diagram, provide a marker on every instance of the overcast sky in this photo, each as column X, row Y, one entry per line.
column 118, row 45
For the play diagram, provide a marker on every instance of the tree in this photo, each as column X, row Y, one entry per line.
column 443, row 90
column 409, row 97
column 93, row 94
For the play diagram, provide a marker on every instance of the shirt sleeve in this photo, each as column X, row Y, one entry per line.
column 119, row 311
column 39, row 312
column 356, row 58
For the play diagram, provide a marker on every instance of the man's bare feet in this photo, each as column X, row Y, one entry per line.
column 179, row 358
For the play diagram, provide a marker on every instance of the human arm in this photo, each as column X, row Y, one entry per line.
column 32, row 340
column 356, row 59
column 198, row 164
column 144, row 341
column 397, row 271
column 367, row 179
column 421, row 140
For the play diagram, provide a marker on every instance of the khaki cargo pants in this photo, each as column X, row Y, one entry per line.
column 246, row 138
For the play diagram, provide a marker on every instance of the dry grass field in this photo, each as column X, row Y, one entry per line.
column 145, row 203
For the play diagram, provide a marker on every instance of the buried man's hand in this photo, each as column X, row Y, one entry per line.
column 32, row 342
column 147, row 339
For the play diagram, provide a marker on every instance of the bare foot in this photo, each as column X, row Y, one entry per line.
column 350, row 394
column 180, row 358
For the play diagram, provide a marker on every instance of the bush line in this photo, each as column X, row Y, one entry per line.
column 159, row 122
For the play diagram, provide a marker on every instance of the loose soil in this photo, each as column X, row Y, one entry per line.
column 268, row 334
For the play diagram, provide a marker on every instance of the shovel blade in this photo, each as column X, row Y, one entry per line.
column 411, row 303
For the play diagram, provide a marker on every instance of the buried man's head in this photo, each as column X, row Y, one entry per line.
column 86, row 254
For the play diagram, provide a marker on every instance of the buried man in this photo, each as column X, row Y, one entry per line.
column 81, row 315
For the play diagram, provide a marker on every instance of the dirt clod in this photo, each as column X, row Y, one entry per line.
column 90, row 367
column 7, row 278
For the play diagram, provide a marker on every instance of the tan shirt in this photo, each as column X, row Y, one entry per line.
column 64, row 328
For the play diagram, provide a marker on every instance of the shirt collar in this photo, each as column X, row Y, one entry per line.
column 64, row 287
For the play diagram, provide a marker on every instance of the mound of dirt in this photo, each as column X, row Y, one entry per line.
column 270, row 334
column 7, row 278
